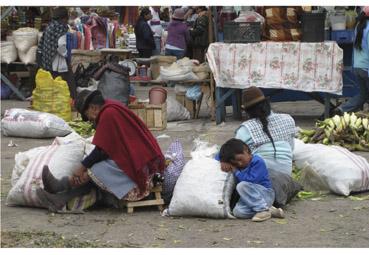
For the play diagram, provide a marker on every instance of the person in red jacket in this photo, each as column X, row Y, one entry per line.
column 125, row 158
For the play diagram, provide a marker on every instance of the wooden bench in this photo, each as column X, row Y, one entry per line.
column 158, row 201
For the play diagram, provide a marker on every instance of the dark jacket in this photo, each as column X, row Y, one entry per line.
column 144, row 35
column 178, row 34
column 199, row 33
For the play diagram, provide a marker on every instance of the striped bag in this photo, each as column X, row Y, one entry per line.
column 62, row 159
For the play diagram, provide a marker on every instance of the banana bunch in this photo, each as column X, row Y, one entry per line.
column 83, row 128
column 350, row 131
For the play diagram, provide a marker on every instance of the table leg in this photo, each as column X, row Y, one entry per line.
column 327, row 102
column 212, row 96
column 220, row 107
column 236, row 104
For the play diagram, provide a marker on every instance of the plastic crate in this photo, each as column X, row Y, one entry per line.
column 312, row 27
column 342, row 36
column 347, row 54
column 241, row 32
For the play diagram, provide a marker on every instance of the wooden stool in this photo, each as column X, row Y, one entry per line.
column 157, row 201
column 193, row 106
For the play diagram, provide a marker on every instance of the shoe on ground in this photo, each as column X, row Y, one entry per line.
column 276, row 212
column 261, row 216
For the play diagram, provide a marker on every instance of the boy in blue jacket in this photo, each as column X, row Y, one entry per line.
column 254, row 185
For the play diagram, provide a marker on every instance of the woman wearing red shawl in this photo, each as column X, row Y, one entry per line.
column 125, row 158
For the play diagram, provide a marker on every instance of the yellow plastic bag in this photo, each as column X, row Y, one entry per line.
column 51, row 95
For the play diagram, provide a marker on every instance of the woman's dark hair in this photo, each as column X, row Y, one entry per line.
column 362, row 20
column 231, row 148
column 97, row 100
column 60, row 13
column 145, row 11
column 261, row 111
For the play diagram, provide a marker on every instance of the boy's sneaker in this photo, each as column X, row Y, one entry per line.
column 262, row 216
column 276, row 212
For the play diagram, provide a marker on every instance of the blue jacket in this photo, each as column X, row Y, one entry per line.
column 256, row 172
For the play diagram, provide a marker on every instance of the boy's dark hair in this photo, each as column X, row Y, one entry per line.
column 231, row 148
column 97, row 100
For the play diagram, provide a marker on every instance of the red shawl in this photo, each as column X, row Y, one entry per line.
column 125, row 138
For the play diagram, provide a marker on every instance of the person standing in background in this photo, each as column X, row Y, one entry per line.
column 164, row 15
column 190, row 16
column 360, row 65
column 178, row 35
column 157, row 28
column 145, row 42
column 199, row 34
column 52, row 50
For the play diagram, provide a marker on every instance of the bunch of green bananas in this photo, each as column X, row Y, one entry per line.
column 350, row 131
column 83, row 128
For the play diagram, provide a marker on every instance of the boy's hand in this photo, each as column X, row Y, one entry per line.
column 226, row 167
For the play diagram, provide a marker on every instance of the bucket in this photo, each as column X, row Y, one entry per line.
column 157, row 95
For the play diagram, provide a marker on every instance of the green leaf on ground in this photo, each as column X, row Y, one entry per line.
column 356, row 198
column 281, row 221
column 255, row 241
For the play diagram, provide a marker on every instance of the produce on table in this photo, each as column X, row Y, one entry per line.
column 350, row 131
column 83, row 128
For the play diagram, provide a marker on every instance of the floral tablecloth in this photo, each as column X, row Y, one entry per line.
column 287, row 65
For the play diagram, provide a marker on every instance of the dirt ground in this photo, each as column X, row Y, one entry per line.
column 330, row 221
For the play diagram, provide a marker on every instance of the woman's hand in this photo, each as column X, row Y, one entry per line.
column 80, row 176
column 226, row 167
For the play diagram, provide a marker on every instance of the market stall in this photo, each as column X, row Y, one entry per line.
column 293, row 54
column 309, row 67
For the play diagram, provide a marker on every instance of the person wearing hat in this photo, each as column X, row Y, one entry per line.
column 268, row 134
column 178, row 35
column 52, row 49
column 125, row 158
column 360, row 65
column 145, row 42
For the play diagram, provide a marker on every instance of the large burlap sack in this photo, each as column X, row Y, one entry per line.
column 24, row 38
column 21, row 161
column 24, row 123
column 157, row 62
column 204, row 67
column 51, row 95
column 28, row 57
column 176, row 111
column 202, row 75
column 202, row 189
column 8, row 52
column 62, row 160
column 340, row 170
column 174, row 70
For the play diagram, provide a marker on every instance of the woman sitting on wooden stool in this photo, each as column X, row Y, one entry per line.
column 125, row 158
